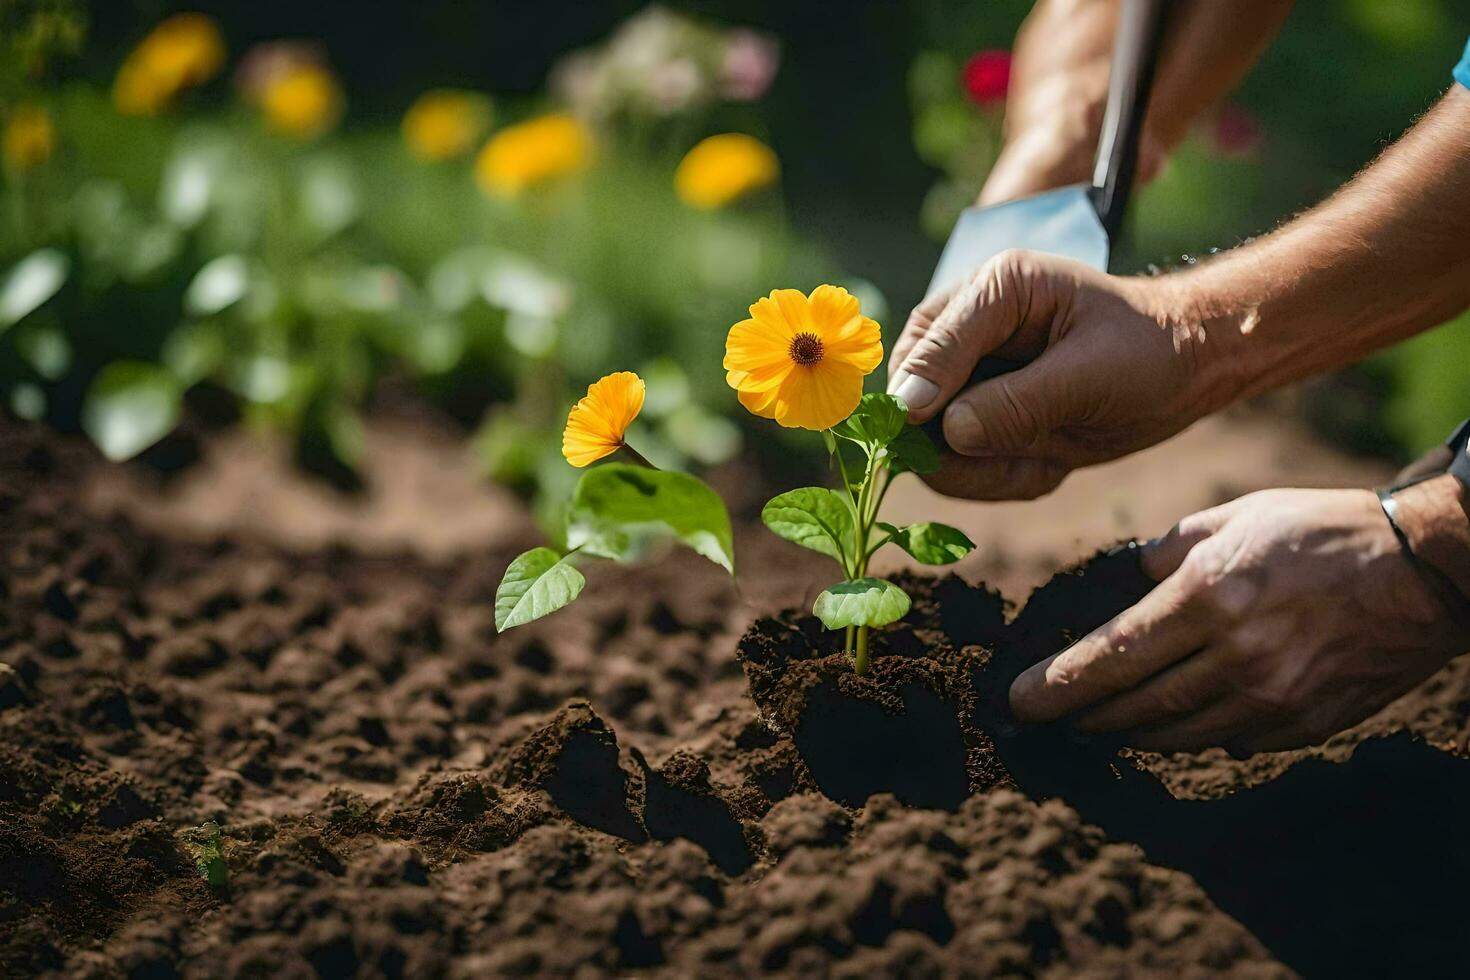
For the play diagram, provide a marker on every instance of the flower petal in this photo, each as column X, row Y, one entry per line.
column 858, row 343
column 756, row 348
column 785, row 310
column 597, row 423
column 832, row 307
column 819, row 396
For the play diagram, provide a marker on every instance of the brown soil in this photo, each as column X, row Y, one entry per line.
column 630, row 787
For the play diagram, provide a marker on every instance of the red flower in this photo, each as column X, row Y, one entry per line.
column 986, row 77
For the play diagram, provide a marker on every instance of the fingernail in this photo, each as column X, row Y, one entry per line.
column 915, row 392
column 962, row 426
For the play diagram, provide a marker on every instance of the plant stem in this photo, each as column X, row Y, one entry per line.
column 860, row 661
column 637, row 457
column 847, row 642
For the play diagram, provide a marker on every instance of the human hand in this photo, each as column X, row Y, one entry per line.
column 1280, row 619
column 1114, row 365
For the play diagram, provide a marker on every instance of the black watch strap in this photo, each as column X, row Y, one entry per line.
column 1459, row 444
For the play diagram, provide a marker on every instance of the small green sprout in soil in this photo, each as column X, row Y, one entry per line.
column 206, row 847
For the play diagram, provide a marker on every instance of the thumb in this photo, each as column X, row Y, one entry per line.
column 1011, row 296
column 1162, row 557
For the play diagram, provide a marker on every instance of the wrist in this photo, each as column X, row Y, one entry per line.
column 1434, row 515
column 1211, row 338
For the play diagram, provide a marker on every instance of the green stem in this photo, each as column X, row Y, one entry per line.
column 860, row 660
column 637, row 457
column 847, row 641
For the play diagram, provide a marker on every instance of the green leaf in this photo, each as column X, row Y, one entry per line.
column 613, row 503
column 34, row 279
column 930, row 543
column 913, row 450
column 877, row 420
column 813, row 517
column 864, row 602
column 130, row 406
column 537, row 583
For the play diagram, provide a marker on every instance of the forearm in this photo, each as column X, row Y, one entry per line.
column 1059, row 84
column 1386, row 257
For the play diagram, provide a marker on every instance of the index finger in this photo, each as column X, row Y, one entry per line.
column 918, row 324
column 1134, row 645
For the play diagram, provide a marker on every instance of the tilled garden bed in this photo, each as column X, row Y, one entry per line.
column 645, row 783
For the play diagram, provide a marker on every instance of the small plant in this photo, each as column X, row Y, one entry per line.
column 206, row 847
column 801, row 360
column 617, row 511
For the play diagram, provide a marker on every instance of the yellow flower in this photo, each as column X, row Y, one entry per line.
column 801, row 360
column 303, row 102
column 596, row 424
column 530, row 153
column 722, row 169
column 444, row 124
column 181, row 51
column 30, row 138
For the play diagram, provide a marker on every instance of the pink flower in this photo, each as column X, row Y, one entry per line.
column 1236, row 132
column 986, row 76
column 749, row 65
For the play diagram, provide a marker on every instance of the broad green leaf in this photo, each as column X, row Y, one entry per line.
column 613, row 503
column 863, row 602
column 813, row 517
column 34, row 279
column 913, row 450
column 220, row 284
column 930, row 543
column 877, row 420
column 536, row 584
column 130, row 406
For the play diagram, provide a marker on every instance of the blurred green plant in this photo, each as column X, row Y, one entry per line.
column 259, row 250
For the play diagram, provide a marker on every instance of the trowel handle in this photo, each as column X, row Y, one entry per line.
column 989, row 367
column 1130, row 76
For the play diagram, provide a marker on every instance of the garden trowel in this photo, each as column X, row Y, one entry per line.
column 1082, row 221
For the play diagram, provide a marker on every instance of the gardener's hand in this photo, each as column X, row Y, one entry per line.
column 1281, row 618
column 1115, row 365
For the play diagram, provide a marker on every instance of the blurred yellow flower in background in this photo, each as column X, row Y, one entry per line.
column 445, row 123
column 521, row 156
column 597, row 423
column 722, row 169
column 181, row 51
column 30, row 137
column 800, row 359
column 303, row 102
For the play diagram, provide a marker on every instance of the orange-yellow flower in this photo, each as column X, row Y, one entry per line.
column 181, row 51
column 445, row 123
column 521, row 156
column 801, row 359
column 303, row 102
column 597, row 423
column 722, row 169
column 30, row 138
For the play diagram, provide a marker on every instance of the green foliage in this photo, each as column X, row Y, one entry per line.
column 30, row 283
column 615, row 501
column 914, row 451
column 877, row 421
column 863, row 602
column 930, row 542
column 206, row 846
column 813, row 517
column 130, row 406
column 616, row 511
column 537, row 583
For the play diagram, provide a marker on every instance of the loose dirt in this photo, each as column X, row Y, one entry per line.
column 647, row 783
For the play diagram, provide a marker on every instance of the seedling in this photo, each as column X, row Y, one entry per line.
column 617, row 509
column 800, row 360
column 206, row 847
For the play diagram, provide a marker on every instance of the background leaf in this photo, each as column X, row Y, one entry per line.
column 931, row 543
column 130, row 406
column 862, row 602
column 813, row 517
column 34, row 279
column 537, row 583
column 913, row 450
column 877, row 420
column 613, row 502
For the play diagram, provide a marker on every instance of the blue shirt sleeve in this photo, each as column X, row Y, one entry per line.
column 1462, row 70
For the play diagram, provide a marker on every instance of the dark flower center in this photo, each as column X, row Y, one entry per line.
column 806, row 348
